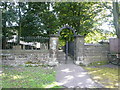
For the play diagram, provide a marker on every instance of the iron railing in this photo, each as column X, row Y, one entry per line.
column 27, row 43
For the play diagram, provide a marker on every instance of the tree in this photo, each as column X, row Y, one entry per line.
column 8, row 17
column 30, row 21
column 101, row 32
column 84, row 17
column 78, row 15
column 115, row 11
column 116, row 14
column 38, row 20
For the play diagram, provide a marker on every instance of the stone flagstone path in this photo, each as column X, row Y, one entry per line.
column 73, row 76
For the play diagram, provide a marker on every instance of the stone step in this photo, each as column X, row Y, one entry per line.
column 60, row 54
column 62, row 59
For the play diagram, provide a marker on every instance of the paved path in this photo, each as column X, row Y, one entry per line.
column 73, row 76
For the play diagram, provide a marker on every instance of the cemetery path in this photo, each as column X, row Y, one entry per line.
column 73, row 76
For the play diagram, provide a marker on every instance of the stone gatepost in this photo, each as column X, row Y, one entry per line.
column 79, row 50
column 53, row 50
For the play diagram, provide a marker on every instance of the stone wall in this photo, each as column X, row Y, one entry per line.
column 83, row 53
column 88, row 53
column 15, row 57
column 95, row 52
column 79, row 49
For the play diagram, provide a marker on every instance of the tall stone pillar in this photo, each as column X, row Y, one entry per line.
column 79, row 50
column 53, row 50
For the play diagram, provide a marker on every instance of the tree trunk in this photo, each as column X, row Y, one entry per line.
column 4, row 29
column 19, row 31
column 116, row 18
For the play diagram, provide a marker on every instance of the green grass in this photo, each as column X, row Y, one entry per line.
column 28, row 77
column 104, row 75
column 98, row 63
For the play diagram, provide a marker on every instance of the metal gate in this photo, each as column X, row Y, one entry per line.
column 69, row 50
column 69, row 46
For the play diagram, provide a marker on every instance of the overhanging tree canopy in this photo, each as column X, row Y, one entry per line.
column 45, row 18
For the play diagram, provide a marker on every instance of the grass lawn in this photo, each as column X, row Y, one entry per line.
column 104, row 75
column 28, row 77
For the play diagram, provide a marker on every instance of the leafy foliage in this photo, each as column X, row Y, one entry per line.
column 78, row 15
column 97, row 36
column 38, row 20
column 8, row 17
column 45, row 18
column 65, row 35
column 116, row 14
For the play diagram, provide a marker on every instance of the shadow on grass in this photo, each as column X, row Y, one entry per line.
column 28, row 77
column 104, row 75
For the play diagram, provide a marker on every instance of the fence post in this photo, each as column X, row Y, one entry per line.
column 53, row 50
